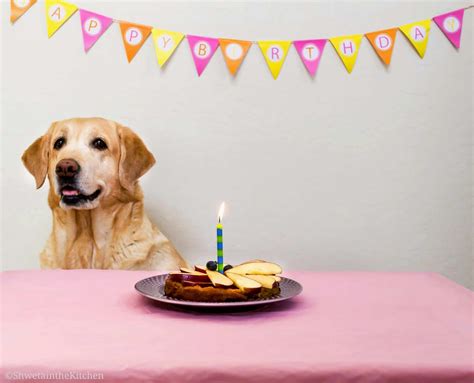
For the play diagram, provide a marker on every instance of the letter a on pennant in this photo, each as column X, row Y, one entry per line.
column 451, row 25
column 275, row 54
column 310, row 52
column 165, row 43
column 234, row 52
column 347, row 47
column 57, row 13
column 383, row 43
column 93, row 26
column 417, row 33
column 202, row 50
column 133, row 37
column 19, row 8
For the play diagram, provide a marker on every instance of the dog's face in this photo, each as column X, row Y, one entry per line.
column 88, row 160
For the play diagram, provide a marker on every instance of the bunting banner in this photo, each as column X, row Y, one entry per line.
column 133, row 37
column 383, row 43
column 451, row 25
column 310, row 52
column 18, row 8
column 234, row 51
column 166, row 43
column 57, row 13
column 417, row 33
column 202, row 50
column 275, row 54
column 93, row 26
column 347, row 47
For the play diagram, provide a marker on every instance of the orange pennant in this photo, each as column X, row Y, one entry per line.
column 133, row 36
column 234, row 52
column 18, row 8
column 383, row 43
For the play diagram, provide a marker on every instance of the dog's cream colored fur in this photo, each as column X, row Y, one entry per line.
column 113, row 231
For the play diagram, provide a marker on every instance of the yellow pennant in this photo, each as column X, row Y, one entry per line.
column 417, row 33
column 347, row 47
column 275, row 54
column 57, row 13
column 166, row 43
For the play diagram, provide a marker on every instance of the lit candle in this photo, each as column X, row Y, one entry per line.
column 220, row 244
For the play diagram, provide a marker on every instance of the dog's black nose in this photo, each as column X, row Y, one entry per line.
column 67, row 168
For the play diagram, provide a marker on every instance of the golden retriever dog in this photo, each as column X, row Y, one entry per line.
column 93, row 166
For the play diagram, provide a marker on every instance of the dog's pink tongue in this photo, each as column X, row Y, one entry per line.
column 70, row 192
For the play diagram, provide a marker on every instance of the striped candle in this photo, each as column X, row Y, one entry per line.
column 220, row 244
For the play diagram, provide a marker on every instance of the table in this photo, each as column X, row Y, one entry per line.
column 344, row 327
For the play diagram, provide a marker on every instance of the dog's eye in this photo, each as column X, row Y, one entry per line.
column 99, row 144
column 59, row 143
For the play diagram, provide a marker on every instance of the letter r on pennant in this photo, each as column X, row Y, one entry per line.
column 275, row 54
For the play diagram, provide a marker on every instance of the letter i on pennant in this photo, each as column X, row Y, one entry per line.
column 310, row 52
column 57, row 13
column 165, row 43
column 93, row 26
column 417, row 33
column 383, row 43
column 451, row 25
column 274, row 53
column 133, row 37
column 234, row 52
column 202, row 50
column 19, row 8
column 347, row 47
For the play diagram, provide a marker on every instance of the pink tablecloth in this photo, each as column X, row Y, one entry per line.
column 345, row 327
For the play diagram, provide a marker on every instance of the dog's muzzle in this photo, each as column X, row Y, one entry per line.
column 66, row 173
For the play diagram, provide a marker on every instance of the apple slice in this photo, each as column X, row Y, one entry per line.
column 186, row 270
column 246, row 285
column 218, row 279
column 266, row 281
column 189, row 277
column 254, row 261
column 275, row 277
column 257, row 268
column 202, row 269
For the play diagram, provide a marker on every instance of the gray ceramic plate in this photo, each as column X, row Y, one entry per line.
column 153, row 288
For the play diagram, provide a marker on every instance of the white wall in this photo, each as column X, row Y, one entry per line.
column 368, row 171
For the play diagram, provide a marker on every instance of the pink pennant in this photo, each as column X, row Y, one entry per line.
column 202, row 50
column 310, row 52
column 451, row 25
column 93, row 26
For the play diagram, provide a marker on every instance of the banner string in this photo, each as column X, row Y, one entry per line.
column 256, row 42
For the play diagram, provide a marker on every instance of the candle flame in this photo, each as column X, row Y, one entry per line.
column 221, row 212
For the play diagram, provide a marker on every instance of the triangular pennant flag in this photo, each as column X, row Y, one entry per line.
column 383, row 43
column 57, row 13
column 202, row 50
column 347, row 47
column 275, row 54
column 19, row 8
column 133, row 37
column 93, row 26
column 165, row 43
column 417, row 33
column 451, row 25
column 310, row 52
column 234, row 52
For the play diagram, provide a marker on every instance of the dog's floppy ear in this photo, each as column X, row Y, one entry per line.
column 135, row 159
column 36, row 158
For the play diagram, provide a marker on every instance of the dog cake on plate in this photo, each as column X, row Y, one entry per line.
column 254, row 279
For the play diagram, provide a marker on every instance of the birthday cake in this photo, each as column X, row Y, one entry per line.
column 254, row 279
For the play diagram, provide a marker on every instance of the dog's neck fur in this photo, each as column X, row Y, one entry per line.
column 90, row 238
